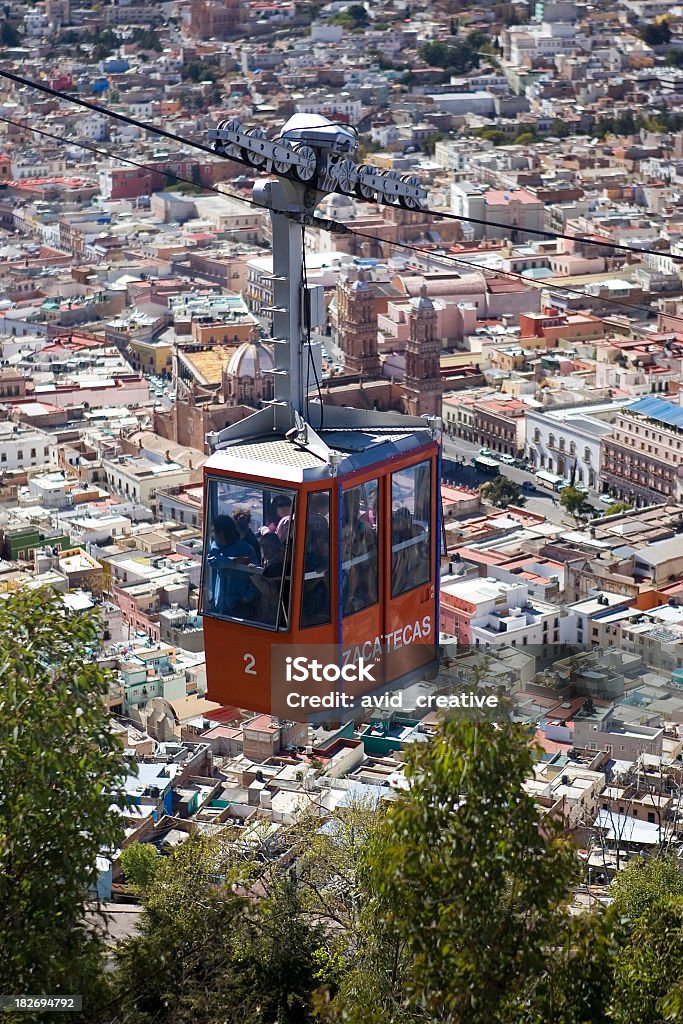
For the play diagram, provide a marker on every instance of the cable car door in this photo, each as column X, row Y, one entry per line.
column 410, row 579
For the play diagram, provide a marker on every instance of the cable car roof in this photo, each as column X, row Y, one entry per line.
column 276, row 443
column 282, row 459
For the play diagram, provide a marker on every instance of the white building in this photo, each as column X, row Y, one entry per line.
column 514, row 209
column 566, row 441
column 22, row 448
column 138, row 478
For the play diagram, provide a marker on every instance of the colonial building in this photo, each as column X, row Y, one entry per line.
column 217, row 19
column 225, row 385
column 642, row 459
column 496, row 422
column 569, row 441
column 248, row 378
column 422, row 388
column 357, row 320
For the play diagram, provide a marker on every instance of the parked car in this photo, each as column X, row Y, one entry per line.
column 507, row 459
column 606, row 499
column 486, row 451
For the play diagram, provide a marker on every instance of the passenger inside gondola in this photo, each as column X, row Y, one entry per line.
column 359, row 548
column 315, row 600
column 242, row 517
column 269, row 582
column 232, row 592
column 281, row 507
column 248, row 564
column 410, row 542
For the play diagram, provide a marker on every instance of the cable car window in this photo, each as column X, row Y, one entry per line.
column 315, row 594
column 360, row 573
column 250, row 538
column 410, row 525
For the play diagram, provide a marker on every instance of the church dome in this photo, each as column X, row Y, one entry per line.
column 252, row 359
column 422, row 301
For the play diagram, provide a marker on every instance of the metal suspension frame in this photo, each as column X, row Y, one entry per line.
column 307, row 161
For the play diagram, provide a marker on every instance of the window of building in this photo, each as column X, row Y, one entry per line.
column 410, row 528
column 360, row 568
column 20, row 454
column 551, row 441
column 249, row 542
column 561, row 444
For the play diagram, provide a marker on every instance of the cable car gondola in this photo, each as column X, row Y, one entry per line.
column 325, row 540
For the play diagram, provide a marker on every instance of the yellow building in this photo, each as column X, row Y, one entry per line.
column 233, row 330
column 152, row 356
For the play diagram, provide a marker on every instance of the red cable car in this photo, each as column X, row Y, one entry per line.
column 321, row 549
column 322, row 544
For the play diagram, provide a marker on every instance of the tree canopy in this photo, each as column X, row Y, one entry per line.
column 655, row 33
column 502, row 491
column 572, row 499
column 457, row 55
column 61, row 770
column 464, row 883
column 446, row 904
column 617, row 508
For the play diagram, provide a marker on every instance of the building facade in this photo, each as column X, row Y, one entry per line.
column 643, row 455
column 357, row 325
column 422, row 389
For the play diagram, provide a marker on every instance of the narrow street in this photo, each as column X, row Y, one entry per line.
column 539, row 501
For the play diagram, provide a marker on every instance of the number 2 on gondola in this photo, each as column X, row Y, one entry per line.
column 249, row 662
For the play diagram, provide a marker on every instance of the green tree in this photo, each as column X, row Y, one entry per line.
column 185, row 188
column 494, row 135
column 140, row 863
column 525, row 139
column 457, row 56
column 572, row 500
column 463, row 891
column 575, row 984
column 617, row 508
column 649, row 968
column 198, row 71
column 207, row 950
column 429, row 144
column 674, row 58
column 9, row 35
column 61, row 769
column 147, row 39
column 656, row 33
column 502, row 492
column 352, row 18
column 559, row 129
column 644, row 882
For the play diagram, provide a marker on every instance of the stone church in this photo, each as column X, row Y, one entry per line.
column 419, row 392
